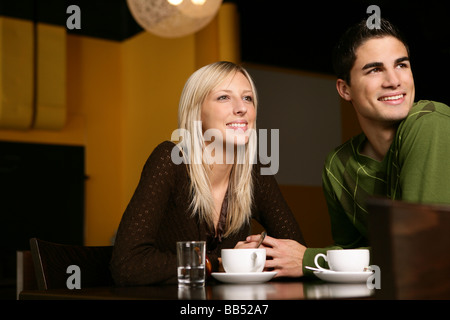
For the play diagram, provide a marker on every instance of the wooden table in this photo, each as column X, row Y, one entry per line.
column 270, row 300
column 273, row 290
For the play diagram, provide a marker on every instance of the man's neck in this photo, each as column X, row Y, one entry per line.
column 379, row 140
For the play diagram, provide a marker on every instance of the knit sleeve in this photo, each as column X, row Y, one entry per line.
column 272, row 211
column 421, row 152
column 136, row 257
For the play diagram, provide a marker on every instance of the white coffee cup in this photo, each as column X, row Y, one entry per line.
column 346, row 260
column 243, row 260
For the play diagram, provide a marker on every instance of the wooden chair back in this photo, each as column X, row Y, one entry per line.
column 25, row 274
column 52, row 260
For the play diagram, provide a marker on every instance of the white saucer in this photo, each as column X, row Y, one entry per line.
column 251, row 277
column 343, row 277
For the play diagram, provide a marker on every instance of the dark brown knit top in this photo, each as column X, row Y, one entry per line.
column 158, row 216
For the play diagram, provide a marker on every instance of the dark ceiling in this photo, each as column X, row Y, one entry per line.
column 285, row 33
column 296, row 35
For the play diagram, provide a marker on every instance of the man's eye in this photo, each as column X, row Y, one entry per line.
column 402, row 65
column 375, row 70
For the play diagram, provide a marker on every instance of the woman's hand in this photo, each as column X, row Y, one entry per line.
column 251, row 244
column 247, row 244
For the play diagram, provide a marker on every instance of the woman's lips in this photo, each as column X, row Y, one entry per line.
column 237, row 125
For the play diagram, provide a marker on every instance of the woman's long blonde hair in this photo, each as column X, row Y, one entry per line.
column 240, row 187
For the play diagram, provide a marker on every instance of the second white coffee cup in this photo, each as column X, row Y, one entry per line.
column 243, row 260
column 346, row 260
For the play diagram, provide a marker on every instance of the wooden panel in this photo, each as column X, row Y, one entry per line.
column 410, row 245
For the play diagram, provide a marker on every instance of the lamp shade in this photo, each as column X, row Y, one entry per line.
column 173, row 18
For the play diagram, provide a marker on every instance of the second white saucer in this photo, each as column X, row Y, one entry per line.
column 343, row 277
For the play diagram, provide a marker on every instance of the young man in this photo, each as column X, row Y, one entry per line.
column 404, row 148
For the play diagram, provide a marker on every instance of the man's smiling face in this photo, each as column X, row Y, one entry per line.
column 382, row 86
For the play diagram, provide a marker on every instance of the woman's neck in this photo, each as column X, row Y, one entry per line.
column 220, row 174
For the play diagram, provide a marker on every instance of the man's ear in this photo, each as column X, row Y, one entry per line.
column 343, row 89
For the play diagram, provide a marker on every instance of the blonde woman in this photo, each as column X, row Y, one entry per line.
column 207, row 187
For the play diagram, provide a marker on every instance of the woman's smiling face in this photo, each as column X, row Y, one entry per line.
column 229, row 107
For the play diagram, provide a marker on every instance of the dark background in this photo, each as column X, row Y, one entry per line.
column 301, row 35
column 285, row 33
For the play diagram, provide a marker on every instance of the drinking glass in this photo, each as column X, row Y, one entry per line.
column 191, row 263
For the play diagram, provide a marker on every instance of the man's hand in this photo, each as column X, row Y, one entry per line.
column 283, row 255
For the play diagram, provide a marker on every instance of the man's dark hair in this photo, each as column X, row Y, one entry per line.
column 344, row 53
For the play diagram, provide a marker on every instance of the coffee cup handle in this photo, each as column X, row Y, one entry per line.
column 316, row 258
column 257, row 259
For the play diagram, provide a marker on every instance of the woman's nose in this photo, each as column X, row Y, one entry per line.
column 240, row 107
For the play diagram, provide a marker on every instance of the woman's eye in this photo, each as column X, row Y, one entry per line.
column 248, row 98
column 222, row 98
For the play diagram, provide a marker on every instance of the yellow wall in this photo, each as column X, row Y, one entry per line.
column 95, row 78
column 122, row 100
column 16, row 72
column 94, row 101
column 155, row 79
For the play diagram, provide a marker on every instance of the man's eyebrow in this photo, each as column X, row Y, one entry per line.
column 402, row 59
column 372, row 65
column 380, row 64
